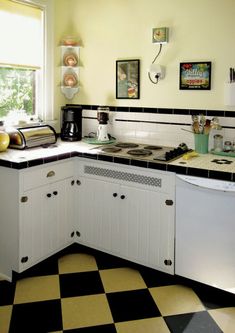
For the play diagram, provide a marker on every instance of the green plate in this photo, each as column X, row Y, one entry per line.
column 94, row 141
column 223, row 153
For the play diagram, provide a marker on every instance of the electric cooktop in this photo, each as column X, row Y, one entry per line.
column 144, row 151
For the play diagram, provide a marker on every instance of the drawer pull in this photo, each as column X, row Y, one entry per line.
column 48, row 195
column 122, row 196
column 55, row 192
column 51, row 174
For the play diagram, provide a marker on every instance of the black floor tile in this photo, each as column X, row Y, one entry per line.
column 154, row 278
column 7, row 292
column 80, row 284
column 46, row 267
column 106, row 261
column 131, row 305
column 36, row 317
column 110, row 328
column 213, row 298
column 198, row 322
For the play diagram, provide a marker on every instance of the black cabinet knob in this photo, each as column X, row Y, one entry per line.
column 24, row 259
column 72, row 182
column 78, row 182
column 48, row 195
column 115, row 195
column 122, row 196
column 55, row 192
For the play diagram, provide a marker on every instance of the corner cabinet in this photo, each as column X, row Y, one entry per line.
column 36, row 214
column 69, row 70
column 127, row 212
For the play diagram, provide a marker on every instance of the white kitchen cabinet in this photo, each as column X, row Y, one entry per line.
column 46, row 222
column 37, row 216
column 127, row 212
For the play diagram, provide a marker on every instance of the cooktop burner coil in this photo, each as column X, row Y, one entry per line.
column 153, row 147
column 111, row 149
column 126, row 145
column 139, row 152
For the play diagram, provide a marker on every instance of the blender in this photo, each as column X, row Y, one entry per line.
column 103, row 117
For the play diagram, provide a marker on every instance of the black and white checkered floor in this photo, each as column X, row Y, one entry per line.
column 91, row 292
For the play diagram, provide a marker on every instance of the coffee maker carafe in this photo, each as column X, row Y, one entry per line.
column 103, row 117
column 71, row 128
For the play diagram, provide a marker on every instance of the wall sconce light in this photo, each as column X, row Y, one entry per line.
column 156, row 71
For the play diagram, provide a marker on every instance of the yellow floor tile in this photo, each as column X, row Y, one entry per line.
column 39, row 288
column 85, row 311
column 5, row 317
column 120, row 279
column 225, row 319
column 151, row 325
column 77, row 263
column 176, row 299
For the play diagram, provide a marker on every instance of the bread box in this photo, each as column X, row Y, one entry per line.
column 33, row 136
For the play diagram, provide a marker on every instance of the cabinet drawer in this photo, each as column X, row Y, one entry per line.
column 42, row 175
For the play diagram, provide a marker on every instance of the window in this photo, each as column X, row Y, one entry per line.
column 17, row 91
column 26, row 60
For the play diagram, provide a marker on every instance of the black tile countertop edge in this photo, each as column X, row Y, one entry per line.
column 229, row 176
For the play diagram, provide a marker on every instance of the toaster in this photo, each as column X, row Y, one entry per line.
column 32, row 136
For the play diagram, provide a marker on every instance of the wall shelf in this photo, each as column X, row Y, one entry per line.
column 69, row 70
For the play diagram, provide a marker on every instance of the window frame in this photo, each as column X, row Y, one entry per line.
column 45, row 100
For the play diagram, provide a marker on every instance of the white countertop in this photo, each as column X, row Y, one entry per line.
column 203, row 161
column 61, row 147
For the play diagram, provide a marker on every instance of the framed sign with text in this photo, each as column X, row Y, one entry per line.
column 195, row 75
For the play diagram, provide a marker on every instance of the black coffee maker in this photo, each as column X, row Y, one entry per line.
column 71, row 123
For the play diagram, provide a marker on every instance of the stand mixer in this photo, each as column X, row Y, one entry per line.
column 103, row 117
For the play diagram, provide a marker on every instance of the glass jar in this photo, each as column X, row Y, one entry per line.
column 227, row 146
column 218, row 142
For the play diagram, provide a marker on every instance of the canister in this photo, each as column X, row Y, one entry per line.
column 227, row 146
column 218, row 142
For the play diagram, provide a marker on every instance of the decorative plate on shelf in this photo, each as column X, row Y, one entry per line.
column 70, row 80
column 70, row 59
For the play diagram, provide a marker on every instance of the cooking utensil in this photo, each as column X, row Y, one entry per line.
column 183, row 129
column 195, row 126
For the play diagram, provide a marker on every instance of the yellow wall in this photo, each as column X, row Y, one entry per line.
column 201, row 30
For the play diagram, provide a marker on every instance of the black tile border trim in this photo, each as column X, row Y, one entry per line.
column 184, row 170
column 220, row 113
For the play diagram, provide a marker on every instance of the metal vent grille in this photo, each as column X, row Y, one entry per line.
column 127, row 176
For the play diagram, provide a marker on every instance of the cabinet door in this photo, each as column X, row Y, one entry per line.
column 129, row 222
column 146, row 229
column 46, row 221
column 58, row 215
column 31, row 228
column 97, row 213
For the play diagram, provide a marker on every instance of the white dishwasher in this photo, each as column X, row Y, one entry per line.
column 205, row 231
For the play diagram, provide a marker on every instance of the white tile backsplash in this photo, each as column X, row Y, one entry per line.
column 154, row 128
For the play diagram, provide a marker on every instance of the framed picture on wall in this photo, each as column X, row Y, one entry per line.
column 128, row 79
column 195, row 75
